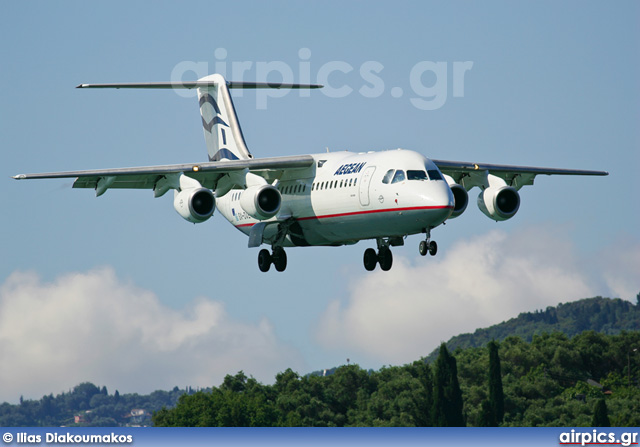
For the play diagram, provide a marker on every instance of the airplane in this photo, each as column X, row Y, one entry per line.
column 324, row 199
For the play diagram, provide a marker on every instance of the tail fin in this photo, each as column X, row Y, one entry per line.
column 222, row 132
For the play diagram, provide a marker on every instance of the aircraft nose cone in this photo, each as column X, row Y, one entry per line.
column 443, row 200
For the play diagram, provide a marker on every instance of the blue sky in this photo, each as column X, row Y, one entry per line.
column 121, row 291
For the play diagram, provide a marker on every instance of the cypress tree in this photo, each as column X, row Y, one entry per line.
column 496, row 393
column 447, row 410
column 600, row 415
column 486, row 415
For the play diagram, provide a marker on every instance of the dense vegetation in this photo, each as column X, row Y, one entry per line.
column 544, row 384
column 92, row 405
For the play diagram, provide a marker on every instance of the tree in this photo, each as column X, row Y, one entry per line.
column 487, row 418
column 448, row 397
column 600, row 415
column 496, row 394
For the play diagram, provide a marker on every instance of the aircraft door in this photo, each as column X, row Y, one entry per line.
column 365, row 180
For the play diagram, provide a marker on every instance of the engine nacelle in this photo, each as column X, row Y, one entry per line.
column 195, row 204
column 499, row 203
column 261, row 201
column 461, row 200
column 460, row 196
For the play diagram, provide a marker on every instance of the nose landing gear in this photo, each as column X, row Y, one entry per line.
column 428, row 246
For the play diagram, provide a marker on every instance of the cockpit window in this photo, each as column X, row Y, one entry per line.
column 387, row 176
column 434, row 174
column 398, row 177
column 416, row 175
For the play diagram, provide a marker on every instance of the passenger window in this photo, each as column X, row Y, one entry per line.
column 416, row 175
column 398, row 177
column 434, row 174
column 388, row 176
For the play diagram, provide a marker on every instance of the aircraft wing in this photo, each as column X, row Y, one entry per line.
column 147, row 177
column 467, row 174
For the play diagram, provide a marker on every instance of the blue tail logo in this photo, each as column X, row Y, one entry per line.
column 208, row 126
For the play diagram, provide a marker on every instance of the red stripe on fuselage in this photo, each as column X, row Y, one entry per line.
column 355, row 213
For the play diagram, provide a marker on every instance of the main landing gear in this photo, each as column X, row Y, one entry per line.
column 278, row 258
column 382, row 257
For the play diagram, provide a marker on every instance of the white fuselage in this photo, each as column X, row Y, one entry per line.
column 344, row 197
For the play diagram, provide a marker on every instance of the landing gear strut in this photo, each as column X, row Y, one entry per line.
column 382, row 257
column 278, row 258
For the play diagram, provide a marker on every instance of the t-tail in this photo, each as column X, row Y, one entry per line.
column 222, row 132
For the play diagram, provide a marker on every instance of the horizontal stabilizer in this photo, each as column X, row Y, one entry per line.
column 200, row 84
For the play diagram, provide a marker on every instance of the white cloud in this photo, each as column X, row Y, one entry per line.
column 93, row 327
column 398, row 316
column 621, row 268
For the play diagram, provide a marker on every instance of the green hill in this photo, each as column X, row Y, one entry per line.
column 603, row 315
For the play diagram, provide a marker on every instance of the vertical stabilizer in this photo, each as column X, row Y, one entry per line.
column 222, row 132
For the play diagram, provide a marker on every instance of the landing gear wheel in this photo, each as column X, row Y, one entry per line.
column 370, row 259
column 279, row 259
column 264, row 260
column 423, row 248
column 385, row 258
column 433, row 248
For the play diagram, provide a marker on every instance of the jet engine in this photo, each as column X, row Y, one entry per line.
column 195, row 204
column 499, row 202
column 261, row 201
column 460, row 196
column 461, row 199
